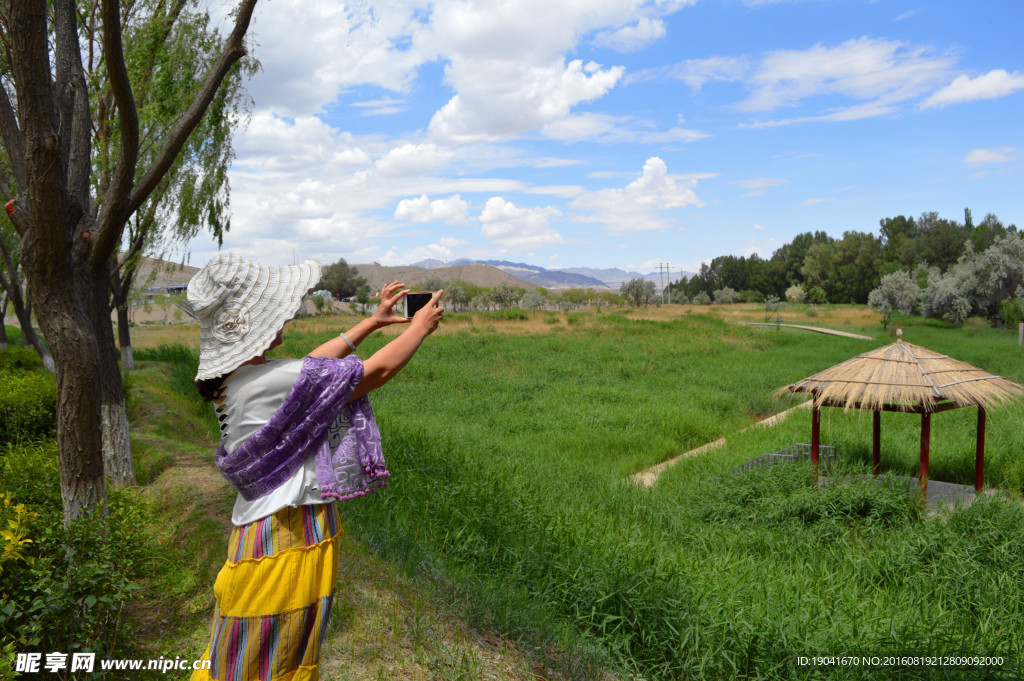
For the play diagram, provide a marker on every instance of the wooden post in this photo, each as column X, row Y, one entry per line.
column 979, row 459
column 926, row 435
column 815, row 435
column 876, row 442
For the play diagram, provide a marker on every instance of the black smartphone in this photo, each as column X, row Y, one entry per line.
column 415, row 300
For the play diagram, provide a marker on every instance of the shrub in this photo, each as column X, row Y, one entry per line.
column 751, row 296
column 1012, row 310
column 726, row 296
column 16, row 358
column 701, row 298
column 28, row 406
column 796, row 294
column 64, row 589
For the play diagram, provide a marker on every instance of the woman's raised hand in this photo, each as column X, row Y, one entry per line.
column 431, row 314
column 389, row 295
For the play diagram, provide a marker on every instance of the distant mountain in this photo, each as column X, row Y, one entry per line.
column 411, row 275
column 572, row 277
column 545, row 277
column 538, row 276
column 612, row 276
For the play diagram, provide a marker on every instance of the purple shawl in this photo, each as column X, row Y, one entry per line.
column 311, row 422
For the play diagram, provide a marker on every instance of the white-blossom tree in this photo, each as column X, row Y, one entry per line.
column 897, row 291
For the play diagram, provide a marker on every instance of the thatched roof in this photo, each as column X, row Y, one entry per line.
column 907, row 377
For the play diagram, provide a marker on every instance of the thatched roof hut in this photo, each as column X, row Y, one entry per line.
column 906, row 378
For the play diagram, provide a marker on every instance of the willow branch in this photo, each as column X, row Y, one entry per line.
column 115, row 211
column 233, row 50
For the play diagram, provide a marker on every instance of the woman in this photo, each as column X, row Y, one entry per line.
column 296, row 435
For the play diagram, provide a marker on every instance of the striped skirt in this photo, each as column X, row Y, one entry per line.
column 274, row 596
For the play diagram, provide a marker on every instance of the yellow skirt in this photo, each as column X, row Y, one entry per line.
column 274, row 596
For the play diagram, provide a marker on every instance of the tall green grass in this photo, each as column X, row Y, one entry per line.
column 508, row 455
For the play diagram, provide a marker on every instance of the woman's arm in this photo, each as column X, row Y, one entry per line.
column 390, row 294
column 382, row 366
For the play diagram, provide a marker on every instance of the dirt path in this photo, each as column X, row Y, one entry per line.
column 816, row 329
column 648, row 477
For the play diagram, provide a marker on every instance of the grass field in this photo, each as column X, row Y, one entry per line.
column 510, row 442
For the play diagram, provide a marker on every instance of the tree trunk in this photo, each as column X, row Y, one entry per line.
column 124, row 339
column 29, row 337
column 63, row 318
column 3, row 326
column 117, row 449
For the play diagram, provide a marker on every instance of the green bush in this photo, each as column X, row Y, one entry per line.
column 1012, row 310
column 16, row 359
column 972, row 325
column 68, row 588
column 510, row 313
column 28, row 406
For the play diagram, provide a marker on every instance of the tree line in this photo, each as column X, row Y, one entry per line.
column 815, row 267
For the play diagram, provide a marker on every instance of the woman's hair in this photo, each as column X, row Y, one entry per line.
column 208, row 388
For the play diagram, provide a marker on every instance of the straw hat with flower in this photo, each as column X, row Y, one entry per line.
column 241, row 306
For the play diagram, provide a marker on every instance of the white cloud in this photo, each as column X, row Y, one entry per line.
column 638, row 205
column 512, row 227
column 985, row 157
column 441, row 250
column 500, row 99
column 757, row 185
column 879, row 74
column 413, row 159
column 906, row 15
column 993, row 85
column 452, row 210
column 852, row 113
column 340, row 45
column 632, row 37
column 271, row 143
column 757, row 226
column 865, row 68
column 565, row 191
column 697, row 72
column 811, row 202
column 551, row 162
column 381, row 107
column 608, row 128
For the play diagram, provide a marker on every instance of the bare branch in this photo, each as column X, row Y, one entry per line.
column 73, row 95
column 115, row 209
column 233, row 51
column 5, row 186
column 12, row 137
column 44, row 207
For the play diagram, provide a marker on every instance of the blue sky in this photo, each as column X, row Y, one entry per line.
column 618, row 133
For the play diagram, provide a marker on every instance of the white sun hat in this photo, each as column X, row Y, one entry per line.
column 241, row 305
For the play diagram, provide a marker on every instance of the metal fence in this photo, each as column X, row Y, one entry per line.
column 795, row 452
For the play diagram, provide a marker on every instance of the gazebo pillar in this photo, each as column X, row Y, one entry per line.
column 876, row 442
column 979, row 457
column 815, row 435
column 926, row 436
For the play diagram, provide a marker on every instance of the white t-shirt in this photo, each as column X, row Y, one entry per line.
column 252, row 394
